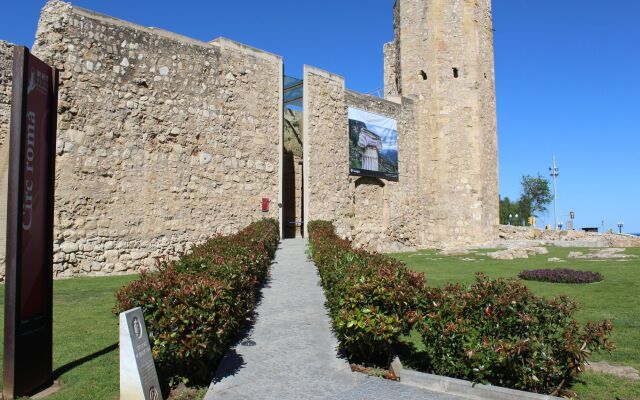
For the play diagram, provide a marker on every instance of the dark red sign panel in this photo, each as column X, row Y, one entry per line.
column 35, row 191
column 29, row 276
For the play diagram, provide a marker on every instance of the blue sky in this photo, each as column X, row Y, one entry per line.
column 566, row 72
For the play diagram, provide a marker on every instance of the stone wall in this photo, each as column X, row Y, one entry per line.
column 6, row 57
column 376, row 214
column 326, row 153
column 6, row 63
column 391, row 78
column 387, row 214
column 510, row 234
column 163, row 140
column 439, row 78
column 445, row 62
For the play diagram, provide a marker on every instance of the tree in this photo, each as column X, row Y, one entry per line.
column 536, row 194
column 533, row 201
column 519, row 208
column 506, row 208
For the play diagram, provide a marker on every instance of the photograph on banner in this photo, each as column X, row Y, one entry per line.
column 373, row 145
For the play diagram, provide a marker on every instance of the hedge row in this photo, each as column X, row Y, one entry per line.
column 194, row 306
column 371, row 297
column 494, row 331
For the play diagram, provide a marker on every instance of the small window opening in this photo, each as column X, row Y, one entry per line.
column 423, row 75
column 455, row 72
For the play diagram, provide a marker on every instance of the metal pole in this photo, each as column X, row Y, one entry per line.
column 554, row 173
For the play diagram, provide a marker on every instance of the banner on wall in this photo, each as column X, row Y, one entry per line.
column 373, row 145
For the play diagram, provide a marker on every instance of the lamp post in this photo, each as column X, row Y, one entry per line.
column 620, row 225
column 510, row 216
column 516, row 218
column 554, row 170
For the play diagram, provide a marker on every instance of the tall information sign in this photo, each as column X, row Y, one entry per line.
column 29, row 255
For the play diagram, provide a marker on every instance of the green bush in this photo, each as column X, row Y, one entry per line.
column 241, row 260
column 194, row 306
column 190, row 318
column 371, row 297
column 494, row 331
column 498, row 332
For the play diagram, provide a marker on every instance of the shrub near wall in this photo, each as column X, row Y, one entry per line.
column 371, row 297
column 498, row 332
column 194, row 306
column 495, row 331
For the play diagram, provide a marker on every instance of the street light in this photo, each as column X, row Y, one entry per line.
column 620, row 225
column 510, row 216
column 516, row 218
column 555, row 171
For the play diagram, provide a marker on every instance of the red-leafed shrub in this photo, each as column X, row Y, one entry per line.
column 494, row 331
column 499, row 332
column 190, row 318
column 194, row 306
column 371, row 297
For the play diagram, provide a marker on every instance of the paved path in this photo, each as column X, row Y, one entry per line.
column 291, row 351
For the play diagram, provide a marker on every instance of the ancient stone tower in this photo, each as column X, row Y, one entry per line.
column 442, row 58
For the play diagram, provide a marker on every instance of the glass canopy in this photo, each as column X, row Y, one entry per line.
column 293, row 88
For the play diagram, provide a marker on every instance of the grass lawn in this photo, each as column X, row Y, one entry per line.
column 616, row 298
column 85, row 337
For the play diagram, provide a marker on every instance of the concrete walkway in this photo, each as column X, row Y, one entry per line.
column 291, row 351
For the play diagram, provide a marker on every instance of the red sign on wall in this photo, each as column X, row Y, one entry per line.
column 29, row 274
column 265, row 204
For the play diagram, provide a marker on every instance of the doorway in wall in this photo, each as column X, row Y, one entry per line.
column 292, row 171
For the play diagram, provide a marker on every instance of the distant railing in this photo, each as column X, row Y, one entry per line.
column 377, row 92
